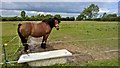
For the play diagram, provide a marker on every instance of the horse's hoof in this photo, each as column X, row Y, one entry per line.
column 26, row 51
column 43, row 46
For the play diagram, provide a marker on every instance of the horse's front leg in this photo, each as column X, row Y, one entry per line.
column 43, row 44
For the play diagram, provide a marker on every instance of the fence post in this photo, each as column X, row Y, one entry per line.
column 5, row 60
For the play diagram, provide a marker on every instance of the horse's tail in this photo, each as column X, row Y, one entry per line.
column 18, row 30
column 20, row 35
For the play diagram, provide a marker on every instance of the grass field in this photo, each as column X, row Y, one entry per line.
column 90, row 36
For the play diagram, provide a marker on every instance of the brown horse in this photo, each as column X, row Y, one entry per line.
column 41, row 29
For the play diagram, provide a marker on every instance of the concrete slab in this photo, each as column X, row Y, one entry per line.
column 48, row 62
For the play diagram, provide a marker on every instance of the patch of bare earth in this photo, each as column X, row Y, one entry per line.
column 81, row 54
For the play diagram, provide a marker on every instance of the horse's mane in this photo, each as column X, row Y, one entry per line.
column 51, row 21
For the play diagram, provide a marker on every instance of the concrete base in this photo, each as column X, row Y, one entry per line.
column 48, row 62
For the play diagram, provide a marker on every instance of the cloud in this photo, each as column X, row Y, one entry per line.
column 60, row 0
column 62, row 8
column 44, row 7
column 31, row 13
column 7, row 13
column 108, row 7
column 67, row 7
column 104, row 11
column 113, row 11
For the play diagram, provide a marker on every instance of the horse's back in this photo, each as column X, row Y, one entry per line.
column 34, row 29
column 38, row 29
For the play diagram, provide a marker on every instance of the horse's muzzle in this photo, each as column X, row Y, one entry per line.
column 57, row 28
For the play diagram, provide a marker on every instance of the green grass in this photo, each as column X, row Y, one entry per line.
column 111, row 62
column 82, row 33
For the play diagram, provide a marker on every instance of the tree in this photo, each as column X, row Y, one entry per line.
column 104, row 15
column 81, row 17
column 23, row 14
column 42, row 15
column 38, row 15
column 72, row 19
column 27, row 18
column 58, row 16
column 48, row 16
column 111, row 15
column 89, row 12
column 67, row 18
column 0, row 18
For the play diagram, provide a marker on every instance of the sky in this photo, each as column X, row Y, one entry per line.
column 59, row 0
column 10, row 8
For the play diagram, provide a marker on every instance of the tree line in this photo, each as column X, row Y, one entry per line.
column 90, row 13
column 36, row 18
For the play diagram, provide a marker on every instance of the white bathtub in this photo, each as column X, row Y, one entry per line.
column 45, row 58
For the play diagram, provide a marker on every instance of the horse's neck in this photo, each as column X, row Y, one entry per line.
column 48, row 24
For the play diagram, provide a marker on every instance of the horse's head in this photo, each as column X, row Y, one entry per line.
column 56, row 22
column 53, row 22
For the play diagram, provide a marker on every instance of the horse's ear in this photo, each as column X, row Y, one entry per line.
column 57, row 19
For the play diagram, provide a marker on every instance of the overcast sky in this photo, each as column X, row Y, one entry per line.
column 13, row 8
column 60, row 0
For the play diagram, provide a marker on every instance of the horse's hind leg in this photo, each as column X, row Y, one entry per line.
column 24, row 42
column 23, row 39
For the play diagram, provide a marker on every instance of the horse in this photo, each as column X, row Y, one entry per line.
column 42, row 29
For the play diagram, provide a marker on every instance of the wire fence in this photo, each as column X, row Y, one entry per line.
column 9, row 43
column 19, row 44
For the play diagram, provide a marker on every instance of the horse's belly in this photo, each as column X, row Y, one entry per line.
column 38, row 34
